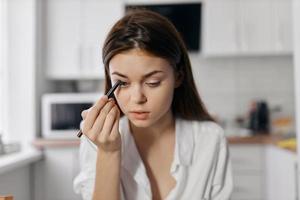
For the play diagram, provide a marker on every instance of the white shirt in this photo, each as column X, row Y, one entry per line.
column 201, row 165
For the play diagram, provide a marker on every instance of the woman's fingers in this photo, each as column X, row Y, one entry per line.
column 108, row 125
column 115, row 130
column 101, row 125
column 100, row 120
column 84, row 114
column 93, row 112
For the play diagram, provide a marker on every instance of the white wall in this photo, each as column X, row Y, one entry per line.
column 227, row 85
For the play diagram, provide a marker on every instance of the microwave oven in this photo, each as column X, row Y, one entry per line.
column 61, row 113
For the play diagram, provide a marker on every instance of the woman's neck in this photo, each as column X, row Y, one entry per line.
column 151, row 141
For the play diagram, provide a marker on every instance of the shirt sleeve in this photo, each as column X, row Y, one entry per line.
column 84, row 182
column 222, row 182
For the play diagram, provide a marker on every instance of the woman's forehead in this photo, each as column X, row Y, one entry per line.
column 137, row 61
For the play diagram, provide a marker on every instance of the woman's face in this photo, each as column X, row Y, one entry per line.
column 149, row 86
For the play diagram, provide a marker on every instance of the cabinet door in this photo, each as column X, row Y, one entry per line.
column 62, row 38
column 220, row 27
column 247, row 158
column 75, row 32
column 281, row 174
column 255, row 26
column 55, row 174
column 97, row 19
column 282, row 25
column 248, row 169
column 247, row 187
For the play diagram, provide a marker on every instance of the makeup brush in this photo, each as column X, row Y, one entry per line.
column 109, row 94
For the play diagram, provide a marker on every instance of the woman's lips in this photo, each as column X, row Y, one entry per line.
column 140, row 115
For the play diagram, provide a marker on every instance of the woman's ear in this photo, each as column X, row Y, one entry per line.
column 178, row 78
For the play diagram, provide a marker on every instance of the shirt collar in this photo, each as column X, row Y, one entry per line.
column 184, row 144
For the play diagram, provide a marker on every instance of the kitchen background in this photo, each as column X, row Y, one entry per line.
column 248, row 53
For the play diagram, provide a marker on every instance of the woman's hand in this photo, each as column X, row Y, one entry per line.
column 101, row 125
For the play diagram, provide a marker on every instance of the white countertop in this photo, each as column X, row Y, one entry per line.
column 12, row 161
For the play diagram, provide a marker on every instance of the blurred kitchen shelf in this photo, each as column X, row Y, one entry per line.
column 43, row 142
column 10, row 148
column 259, row 139
column 232, row 140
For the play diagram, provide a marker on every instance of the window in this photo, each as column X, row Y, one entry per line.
column 3, row 65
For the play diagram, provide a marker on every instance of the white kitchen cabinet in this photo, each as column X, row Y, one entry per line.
column 17, row 182
column 263, row 172
column 282, row 26
column 255, row 26
column 74, row 34
column 220, row 27
column 62, row 38
column 247, row 27
column 248, row 169
column 55, row 173
column 281, row 174
column 248, row 187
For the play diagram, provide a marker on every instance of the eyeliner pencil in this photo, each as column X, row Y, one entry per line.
column 109, row 94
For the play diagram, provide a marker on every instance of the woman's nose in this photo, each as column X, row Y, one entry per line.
column 137, row 95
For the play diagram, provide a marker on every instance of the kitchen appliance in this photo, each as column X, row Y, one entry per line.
column 61, row 113
column 186, row 17
column 259, row 121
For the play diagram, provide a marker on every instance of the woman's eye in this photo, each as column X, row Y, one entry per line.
column 123, row 84
column 153, row 84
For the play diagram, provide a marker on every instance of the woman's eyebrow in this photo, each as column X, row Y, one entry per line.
column 144, row 76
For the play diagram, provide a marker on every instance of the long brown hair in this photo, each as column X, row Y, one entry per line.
column 155, row 34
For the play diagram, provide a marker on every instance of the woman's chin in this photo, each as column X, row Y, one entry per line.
column 141, row 123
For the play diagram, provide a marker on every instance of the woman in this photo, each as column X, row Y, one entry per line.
column 171, row 148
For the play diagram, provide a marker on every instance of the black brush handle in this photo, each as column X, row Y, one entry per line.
column 109, row 94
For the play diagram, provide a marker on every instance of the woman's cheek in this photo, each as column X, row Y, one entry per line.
column 121, row 99
column 159, row 99
column 167, row 94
